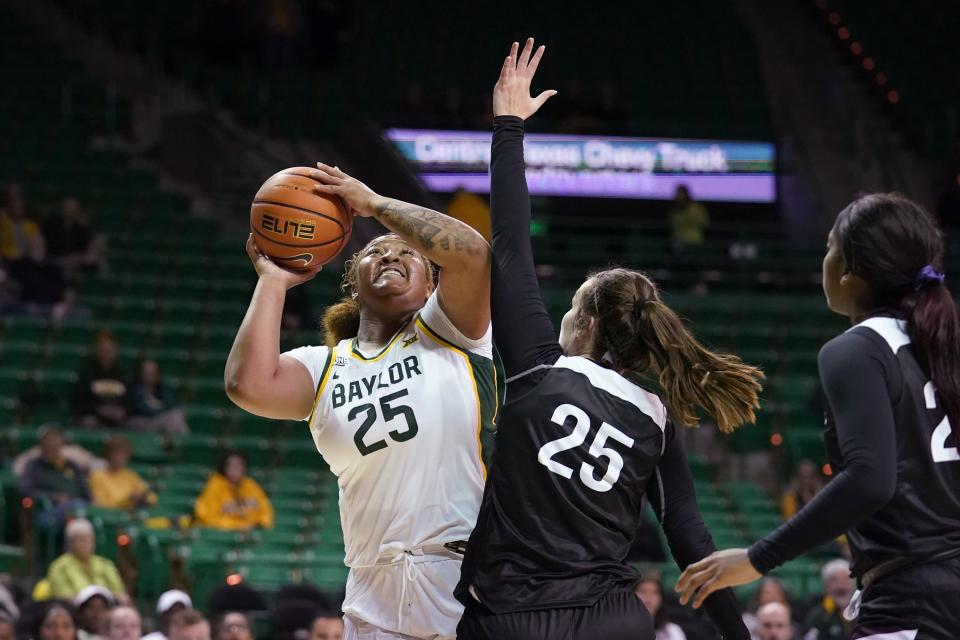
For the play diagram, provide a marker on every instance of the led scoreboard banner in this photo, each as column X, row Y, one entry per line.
column 597, row 166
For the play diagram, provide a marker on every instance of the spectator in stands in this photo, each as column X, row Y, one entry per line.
column 233, row 625
column 239, row 596
column 56, row 622
column 118, row 486
column 773, row 623
column 93, row 605
column 233, row 500
column 825, row 621
column 650, row 591
column 7, row 628
column 43, row 289
column 169, row 604
column 16, row 228
column 100, row 397
column 189, row 625
column 295, row 607
column 83, row 459
column 123, row 624
column 71, row 241
column 54, row 478
column 770, row 590
column 327, row 626
column 79, row 567
column 805, row 484
column 153, row 405
column 688, row 220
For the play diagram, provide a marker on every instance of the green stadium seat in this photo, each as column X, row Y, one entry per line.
column 25, row 329
column 301, row 452
column 209, row 391
column 19, row 353
column 89, row 439
column 197, row 449
column 68, row 355
column 76, row 333
column 205, row 420
column 258, row 451
column 9, row 409
column 759, row 525
column 248, row 425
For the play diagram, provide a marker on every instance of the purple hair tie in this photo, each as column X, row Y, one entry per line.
column 928, row 275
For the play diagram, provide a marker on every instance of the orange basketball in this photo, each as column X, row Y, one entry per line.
column 295, row 226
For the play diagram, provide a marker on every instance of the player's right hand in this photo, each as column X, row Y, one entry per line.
column 267, row 268
column 511, row 94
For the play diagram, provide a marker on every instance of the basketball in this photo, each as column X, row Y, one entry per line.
column 295, row 226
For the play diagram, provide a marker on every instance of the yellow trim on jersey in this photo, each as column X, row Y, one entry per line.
column 496, row 398
column 476, row 392
column 323, row 382
column 355, row 351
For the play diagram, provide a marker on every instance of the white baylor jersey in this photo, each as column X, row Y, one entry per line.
column 401, row 430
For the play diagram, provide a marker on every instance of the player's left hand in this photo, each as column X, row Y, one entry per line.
column 719, row 570
column 511, row 94
column 357, row 196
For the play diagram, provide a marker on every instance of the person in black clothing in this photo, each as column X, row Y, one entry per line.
column 100, row 396
column 579, row 444
column 43, row 288
column 893, row 390
column 71, row 240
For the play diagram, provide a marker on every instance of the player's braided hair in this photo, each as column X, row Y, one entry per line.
column 636, row 332
column 341, row 320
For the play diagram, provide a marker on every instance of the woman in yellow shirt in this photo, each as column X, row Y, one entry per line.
column 233, row 500
column 117, row 486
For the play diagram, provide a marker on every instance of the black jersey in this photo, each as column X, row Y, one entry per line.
column 896, row 492
column 578, row 446
column 584, row 442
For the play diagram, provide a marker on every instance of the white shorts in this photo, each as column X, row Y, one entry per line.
column 411, row 599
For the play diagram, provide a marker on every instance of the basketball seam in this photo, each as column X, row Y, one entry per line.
column 304, row 209
column 289, row 244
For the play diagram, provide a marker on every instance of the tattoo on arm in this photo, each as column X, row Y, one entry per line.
column 427, row 228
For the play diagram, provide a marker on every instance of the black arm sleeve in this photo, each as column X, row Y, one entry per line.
column 855, row 380
column 522, row 329
column 674, row 500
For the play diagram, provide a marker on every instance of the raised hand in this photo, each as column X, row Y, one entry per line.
column 511, row 94
column 358, row 196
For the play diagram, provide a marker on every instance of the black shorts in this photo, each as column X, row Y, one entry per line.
column 616, row 616
column 925, row 597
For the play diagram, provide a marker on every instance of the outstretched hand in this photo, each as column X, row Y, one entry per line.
column 511, row 94
column 721, row 569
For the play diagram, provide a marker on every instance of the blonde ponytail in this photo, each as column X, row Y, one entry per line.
column 693, row 376
column 638, row 333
